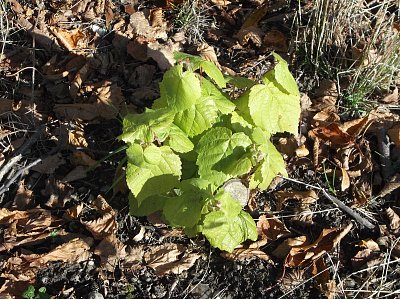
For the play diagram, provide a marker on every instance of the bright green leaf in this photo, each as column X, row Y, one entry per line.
column 147, row 126
column 180, row 89
column 219, row 147
column 282, row 76
column 239, row 82
column 178, row 140
column 208, row 67
column 229, row 226
column 184, row 210
column 198, row 118
column 221, row 100
column 148, row 206
column 272, row 110
column 154, row 170
column 271, row 165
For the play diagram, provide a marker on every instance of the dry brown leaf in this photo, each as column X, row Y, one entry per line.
column 59, row 193
column 77, row 138
column 207, row 52
column 26, row 227
column 394, row 220
column 81, row 158
column 275, row 40
column 49, row 164
column 394, row 134
column 165, row 259
column 75, row 251
column 304, row 197
column 23, row 197
column 240, row 254
column 325, row 117
column 321, row 274
column 111, row 252
column 333, row 135
column 105, row 225
column 304, row 254
column 73, row 212
column 284, row 248
column 220, row 2
column 250, row 35
column 70, row 39
column 271, row 228
column 391, row 98
column 163, row 54
column 78, row 173
column 345, row 184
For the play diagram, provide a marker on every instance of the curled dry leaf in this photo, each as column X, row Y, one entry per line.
column 77, row 138
column 111, row 251
column 304, row 197
column 250, row 34
column 240, row 254
column 105, row 225
column 70, row 39
column 23, row 197
column 165, row 259
column 207, row 52
column 327, row 240
column 271, row 228
column 394, row 220
column 284, row 248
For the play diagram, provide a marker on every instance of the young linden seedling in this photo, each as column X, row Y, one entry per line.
column 195, row 138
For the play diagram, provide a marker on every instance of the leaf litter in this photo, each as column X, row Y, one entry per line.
column 61, row 213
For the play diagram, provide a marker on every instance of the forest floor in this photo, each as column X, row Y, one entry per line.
column 71, row 69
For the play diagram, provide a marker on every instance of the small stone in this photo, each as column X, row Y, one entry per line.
column 95, row 295
column 238, row 191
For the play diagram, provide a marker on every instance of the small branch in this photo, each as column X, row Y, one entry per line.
column 348, row 210
column 384, row 153
column 340, row 204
